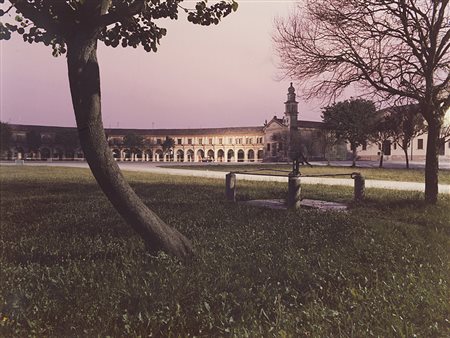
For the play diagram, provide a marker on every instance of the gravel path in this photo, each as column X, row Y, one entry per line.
column 393, row 185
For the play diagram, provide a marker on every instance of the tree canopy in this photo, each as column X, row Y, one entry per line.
column 168, row 144
column 354, row 121
column 115, row 22
column 34, row 140
column 407, row 123
column 133, row 141
column 395, row 49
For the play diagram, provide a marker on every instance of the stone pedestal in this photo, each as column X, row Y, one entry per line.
column 359, row 187
column 230, row 187
column 294, row 192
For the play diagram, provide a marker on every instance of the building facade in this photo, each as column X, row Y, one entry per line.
column 235, row 144
column 270, row 142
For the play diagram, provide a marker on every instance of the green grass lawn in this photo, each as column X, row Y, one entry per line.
column 411, row 175
column 71, row 267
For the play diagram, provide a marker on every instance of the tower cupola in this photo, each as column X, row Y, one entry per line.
column 291, row 109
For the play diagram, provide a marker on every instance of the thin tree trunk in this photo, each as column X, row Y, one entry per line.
column 353, row 156
column 405, row 150
column 432, row 162
column 381, row 158
column 84, row 81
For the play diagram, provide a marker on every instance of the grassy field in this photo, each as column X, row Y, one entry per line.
column 403, row 175
column 71, row 267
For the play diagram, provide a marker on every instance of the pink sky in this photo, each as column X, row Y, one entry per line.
column 214, row 76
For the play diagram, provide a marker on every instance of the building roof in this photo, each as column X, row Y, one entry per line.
column 311, row 124
column 154, row 132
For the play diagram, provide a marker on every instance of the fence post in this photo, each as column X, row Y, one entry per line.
column 359, row 187
column 230, row 187
column 294, row 192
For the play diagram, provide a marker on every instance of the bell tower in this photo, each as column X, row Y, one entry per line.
column 291, row 109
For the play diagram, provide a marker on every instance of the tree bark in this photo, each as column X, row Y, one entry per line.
column 381, row 157
column 84, row 79
column 432, row 162
column 353, row 156
column 405, row 150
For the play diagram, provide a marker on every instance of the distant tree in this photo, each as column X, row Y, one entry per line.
column 133, row 141
column 395, row 49
column 383, row 133
column 68, row 140
column 329, row 142
column 168, row 145
column 33, row 141
column 75, row 27
column 353, row 121
column 5, row 137
column 407, row 123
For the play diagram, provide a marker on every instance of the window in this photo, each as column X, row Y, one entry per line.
column 189, row 141
column 200, row 141
column 420, row 143
column 158, row 141
column 230, row 140
column 179, row 141
column 395, row 146
column 280, row 146
column 364, row 146
column 259, row 140
column 210, row 141
column 238, row 141
column 268, row 146
column 21, row 138
column 220, row 141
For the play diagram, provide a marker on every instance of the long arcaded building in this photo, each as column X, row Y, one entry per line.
column 235, row 144
column 268, row 142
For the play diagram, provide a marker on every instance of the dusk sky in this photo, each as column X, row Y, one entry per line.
column 216, row 76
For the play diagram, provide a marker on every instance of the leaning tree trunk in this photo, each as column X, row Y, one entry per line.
column 432, row 162
column 84, row 79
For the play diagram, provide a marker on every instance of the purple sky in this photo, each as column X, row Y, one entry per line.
column 214, row 76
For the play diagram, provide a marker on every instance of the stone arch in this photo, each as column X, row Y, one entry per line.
column 116, row 154
column 220, row 156
column 45, row 153
column 210, row 155
column 80, row 154
column 190, row 155
column 58, row 154
column 137, row 154
column 180, row 155
column 159, row 155
column 126, row 154
column 200, row 155
column 240, row 155
column 20, row 153
column 251, row 155
column 148, row 155
column 70, row 154
column 230, row 155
